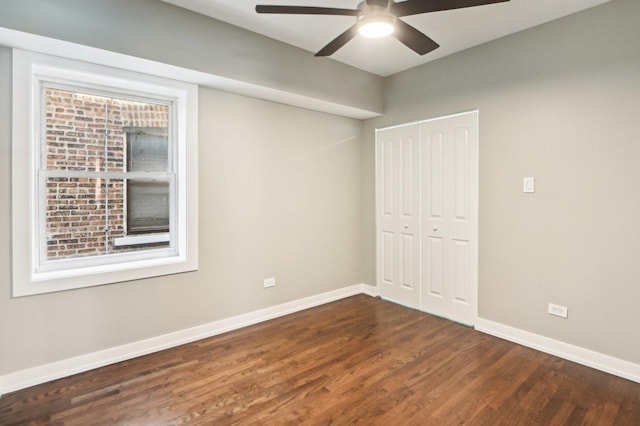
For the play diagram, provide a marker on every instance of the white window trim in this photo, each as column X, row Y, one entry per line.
column 28, row 69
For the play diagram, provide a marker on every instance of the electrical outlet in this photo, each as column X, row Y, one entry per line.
column 557, row 310
column 269, row 282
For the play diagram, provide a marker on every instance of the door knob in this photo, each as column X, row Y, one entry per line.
column 406, row 226
column 435, row 228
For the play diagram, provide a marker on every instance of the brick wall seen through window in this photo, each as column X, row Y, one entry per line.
column 88, row 133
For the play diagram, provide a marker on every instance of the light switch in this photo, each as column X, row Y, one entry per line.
column 528, row 184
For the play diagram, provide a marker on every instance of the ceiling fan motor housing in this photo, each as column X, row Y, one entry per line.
column 375, row 14
column 378, row 3
column 374, row 7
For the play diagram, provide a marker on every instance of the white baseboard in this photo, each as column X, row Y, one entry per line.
column 369, row 290
column 597, row 360
column 55, row 370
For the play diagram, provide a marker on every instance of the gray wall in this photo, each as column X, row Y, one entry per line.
column 279, row 196
column 155, row 30
column 559, row 102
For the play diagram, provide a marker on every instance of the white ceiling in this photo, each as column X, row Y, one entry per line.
column 454, row 30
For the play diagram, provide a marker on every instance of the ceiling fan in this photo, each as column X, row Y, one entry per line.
column 380, row 18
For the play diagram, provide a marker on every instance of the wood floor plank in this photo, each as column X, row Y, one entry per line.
column 359, row 360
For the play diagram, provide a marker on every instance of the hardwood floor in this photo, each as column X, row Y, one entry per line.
column 357, row 360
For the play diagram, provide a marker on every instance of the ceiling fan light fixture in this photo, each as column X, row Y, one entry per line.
column 377, row 26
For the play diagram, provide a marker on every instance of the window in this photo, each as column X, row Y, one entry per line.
column 104, row 175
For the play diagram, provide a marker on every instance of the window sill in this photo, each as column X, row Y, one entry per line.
column 141, row 239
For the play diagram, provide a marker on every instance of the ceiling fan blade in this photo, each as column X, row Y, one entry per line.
column 338, row 42
column 414, row 39
column 414, row 7
column 306, row 10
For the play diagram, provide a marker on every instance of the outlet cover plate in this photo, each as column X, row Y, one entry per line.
column 269, row 282
column 557, row 310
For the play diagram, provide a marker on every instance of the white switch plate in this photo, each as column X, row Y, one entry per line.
column 269, row 282
column 557, row 310
column 529, row 184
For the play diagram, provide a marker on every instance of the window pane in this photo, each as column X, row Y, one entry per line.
column 145, row 115
column 148, row 207
column 75, row 131
column 82, row 216
column 87, row 132
column 147, row 150
column 86, row 217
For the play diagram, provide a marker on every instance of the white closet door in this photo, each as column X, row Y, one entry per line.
column 398, row 214
column 450, row 217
